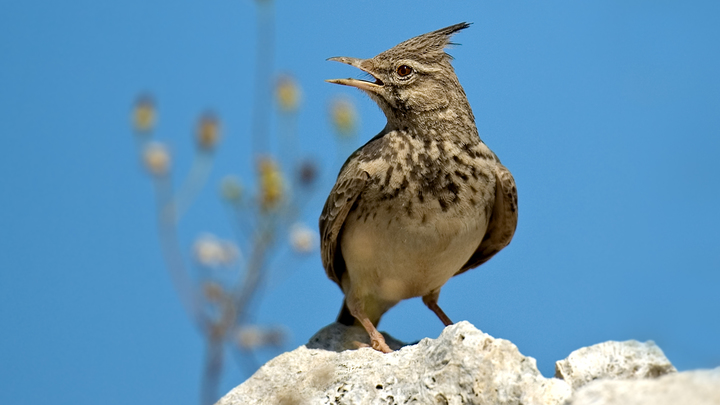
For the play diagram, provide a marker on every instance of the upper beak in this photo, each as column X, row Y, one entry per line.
column 362, row 64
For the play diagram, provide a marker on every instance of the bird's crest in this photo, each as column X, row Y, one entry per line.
column 430, row 46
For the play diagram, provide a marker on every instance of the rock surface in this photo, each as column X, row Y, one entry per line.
column 700, row 387
column 462, row 366
column 613, row 360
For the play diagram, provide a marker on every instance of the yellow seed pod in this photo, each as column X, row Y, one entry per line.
column 208, row 132
column 287, row 92
column 343, row 116
column 271, row 183
column 144, row 115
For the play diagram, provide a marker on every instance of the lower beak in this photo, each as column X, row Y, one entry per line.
column 360, row 84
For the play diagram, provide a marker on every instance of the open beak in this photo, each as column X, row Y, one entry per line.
column 362, row 64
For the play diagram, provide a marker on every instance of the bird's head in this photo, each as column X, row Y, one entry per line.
column 413, row 78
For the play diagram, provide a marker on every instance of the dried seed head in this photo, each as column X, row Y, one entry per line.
column 343, row 116
column 308, row 173
column 271, row 183
column 211, row 251
column 231, row 189
column 288, row 94
column 213, row 291
column 144, row 115
column 156, row 158
column 252, row 336
column 208, row 132
column 303, row 239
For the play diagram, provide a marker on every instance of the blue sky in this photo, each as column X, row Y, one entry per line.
column 607, row 113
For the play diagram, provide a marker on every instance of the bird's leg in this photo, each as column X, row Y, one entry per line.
column 377, row 341
column 431, row 301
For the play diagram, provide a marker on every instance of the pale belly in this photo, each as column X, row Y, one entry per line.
column 393, row 257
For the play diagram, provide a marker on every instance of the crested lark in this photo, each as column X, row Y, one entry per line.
column 422, row 201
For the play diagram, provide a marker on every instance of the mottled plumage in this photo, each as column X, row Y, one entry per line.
column 423, row 200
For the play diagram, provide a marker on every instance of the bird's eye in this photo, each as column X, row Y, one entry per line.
column 404, row 70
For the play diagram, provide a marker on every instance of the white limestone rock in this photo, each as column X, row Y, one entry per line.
column 700, row 387
column 462, row 366
column 466, row 366
column 613, row 361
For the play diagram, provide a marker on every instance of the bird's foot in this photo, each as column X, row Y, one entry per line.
column 359, row 345
column 377, row 345
column 380, row 346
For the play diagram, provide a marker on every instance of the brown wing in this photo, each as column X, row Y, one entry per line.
column 347, row 189
column 503, row 220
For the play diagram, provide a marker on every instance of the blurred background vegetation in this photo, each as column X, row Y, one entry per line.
column 218, row 280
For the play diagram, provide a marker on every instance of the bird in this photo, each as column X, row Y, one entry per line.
column 422, row 201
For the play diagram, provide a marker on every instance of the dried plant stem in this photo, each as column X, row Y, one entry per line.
column 197, row 177
column 167, row 229
column 248, row 288
column 212, row 371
